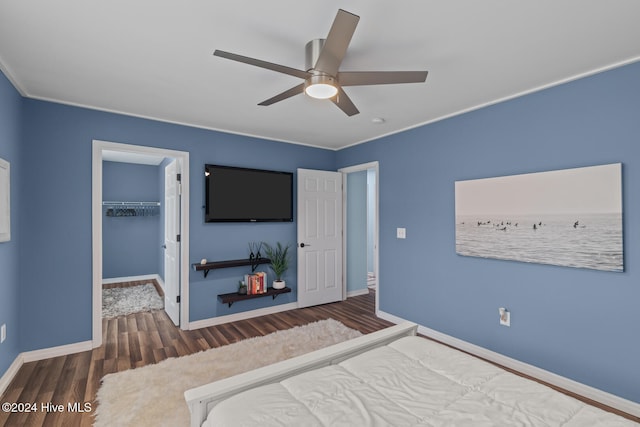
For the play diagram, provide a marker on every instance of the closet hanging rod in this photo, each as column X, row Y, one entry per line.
column 126, row 209
column 130, row 203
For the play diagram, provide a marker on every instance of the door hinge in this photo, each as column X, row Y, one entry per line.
column 179, row 177
column 178, row 299
column 178, row 238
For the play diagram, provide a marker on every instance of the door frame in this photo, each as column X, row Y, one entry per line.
column 98, row 149
column 345, row 171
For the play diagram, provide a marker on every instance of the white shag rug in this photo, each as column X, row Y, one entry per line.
column 153, row 395
column 132, row 299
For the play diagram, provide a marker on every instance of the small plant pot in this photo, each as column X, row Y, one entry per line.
column 279, row 284
column 242, row 291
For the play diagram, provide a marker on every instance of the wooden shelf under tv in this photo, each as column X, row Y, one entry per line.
column 232, row 297
column 213, row 265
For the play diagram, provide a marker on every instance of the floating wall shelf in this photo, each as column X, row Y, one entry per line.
column 253, row 262
column 232, row 297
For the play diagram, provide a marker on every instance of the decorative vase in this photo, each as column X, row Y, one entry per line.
column 278, row 284
column 242, row 287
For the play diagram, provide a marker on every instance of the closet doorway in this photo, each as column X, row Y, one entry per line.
column 131, row 235
column 171, row 207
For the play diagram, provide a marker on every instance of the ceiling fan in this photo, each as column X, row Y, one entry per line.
column 322, row 78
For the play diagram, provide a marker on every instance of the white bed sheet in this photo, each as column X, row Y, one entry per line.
column 410, row 382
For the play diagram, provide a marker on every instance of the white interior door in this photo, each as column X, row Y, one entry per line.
column 172, row 241
column 319, row 237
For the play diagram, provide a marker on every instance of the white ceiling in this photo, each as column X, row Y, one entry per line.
column 153, row 58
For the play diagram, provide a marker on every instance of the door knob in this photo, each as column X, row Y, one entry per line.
column 302, row 245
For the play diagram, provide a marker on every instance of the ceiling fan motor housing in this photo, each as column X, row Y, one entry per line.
column 312, row 52
column 319, row 84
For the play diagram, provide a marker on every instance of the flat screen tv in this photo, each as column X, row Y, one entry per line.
column 234, row 194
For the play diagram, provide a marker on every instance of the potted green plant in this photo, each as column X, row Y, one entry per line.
column 279, row 256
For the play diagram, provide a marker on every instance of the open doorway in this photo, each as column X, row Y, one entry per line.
column 361, row 229
column 132, row 225
column 124, row 153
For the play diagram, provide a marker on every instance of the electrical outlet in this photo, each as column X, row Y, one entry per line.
column 3, row 332
column 505, row 316
column 401, row 233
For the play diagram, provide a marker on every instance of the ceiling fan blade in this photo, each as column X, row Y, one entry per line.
column 344, row 103
column 284, row 95
column 361, row 78
column 337, row 42
column 262, row 64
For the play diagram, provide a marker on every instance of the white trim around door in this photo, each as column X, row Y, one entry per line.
column 98, row 150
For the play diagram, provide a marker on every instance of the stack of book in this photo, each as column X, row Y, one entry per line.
column 256, row 283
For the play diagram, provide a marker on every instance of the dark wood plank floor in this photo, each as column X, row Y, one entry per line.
column 146, row 338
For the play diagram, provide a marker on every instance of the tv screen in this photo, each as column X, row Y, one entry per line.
column 235, row 194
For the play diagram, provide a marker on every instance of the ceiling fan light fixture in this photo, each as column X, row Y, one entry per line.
column 321, row 87
column 322, row 76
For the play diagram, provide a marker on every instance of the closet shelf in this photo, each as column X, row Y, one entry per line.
column 120, row 209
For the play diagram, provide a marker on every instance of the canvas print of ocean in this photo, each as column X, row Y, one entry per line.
column 570, row 217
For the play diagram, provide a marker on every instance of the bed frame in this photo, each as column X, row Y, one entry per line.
column 202, row 399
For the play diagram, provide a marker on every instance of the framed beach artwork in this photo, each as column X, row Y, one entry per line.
column 570, row 217
column 5, row 198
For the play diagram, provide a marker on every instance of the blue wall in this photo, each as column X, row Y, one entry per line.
column 55, row 300
column 10, row 120
column 581, row 324
column 130, row 244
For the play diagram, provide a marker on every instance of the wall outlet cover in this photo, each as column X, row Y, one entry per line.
column 505, row 319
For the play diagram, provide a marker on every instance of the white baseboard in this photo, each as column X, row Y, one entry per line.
column 62, row 350
column 132, row 279
column 242, row 316
column 46, row 353
column 8, row 376
column 583, row 390
column 357, row 292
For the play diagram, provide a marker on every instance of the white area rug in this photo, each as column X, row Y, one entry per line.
column 153, row 395
column 132, row 299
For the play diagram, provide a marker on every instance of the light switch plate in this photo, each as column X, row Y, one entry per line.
column 401, row 233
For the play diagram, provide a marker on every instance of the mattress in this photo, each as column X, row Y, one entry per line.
column 410, row 382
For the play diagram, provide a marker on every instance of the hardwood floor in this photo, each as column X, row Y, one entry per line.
column 145, row 338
